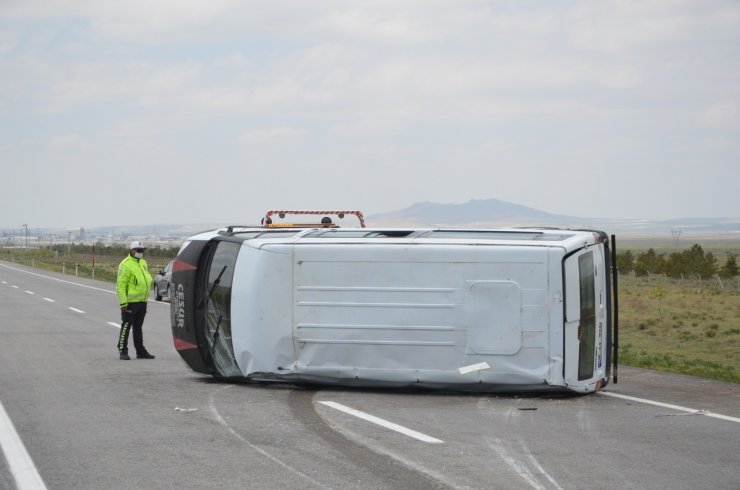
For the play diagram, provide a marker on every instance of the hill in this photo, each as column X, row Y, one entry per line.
column 476, row 213
column 496, row 213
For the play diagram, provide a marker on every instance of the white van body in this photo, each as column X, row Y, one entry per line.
column 487, row 310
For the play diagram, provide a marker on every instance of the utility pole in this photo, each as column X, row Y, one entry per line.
column 26, row 227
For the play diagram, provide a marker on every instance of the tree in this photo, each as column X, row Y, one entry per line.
column 691, row 262
column 696, row 262
column 675, row 266
column 625, row 262
column 729, row 270
column 649, row 262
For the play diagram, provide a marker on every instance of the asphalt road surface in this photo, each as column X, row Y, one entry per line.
column 73, row 416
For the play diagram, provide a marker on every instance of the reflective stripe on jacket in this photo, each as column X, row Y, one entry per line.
column 134, row 281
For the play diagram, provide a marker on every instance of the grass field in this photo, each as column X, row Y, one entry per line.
column 671, row 325
column 678, row 327
column 690, row 327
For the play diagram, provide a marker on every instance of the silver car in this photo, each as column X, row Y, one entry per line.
column 162, row 282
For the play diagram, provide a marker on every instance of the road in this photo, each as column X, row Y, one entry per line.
column 87, row 420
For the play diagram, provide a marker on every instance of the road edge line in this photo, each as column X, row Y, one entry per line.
column 671, row 406
column 21, row 465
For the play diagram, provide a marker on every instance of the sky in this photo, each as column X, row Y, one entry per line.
column 184, row 111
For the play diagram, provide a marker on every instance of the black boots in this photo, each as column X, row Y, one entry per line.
column 143, row 355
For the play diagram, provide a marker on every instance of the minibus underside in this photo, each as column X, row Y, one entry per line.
column 410, row 317
column 445, row 317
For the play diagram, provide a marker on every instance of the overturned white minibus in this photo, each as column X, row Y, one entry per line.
column 455, row 309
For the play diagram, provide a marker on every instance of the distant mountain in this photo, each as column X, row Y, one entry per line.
column 476, row 211
column 495, row 213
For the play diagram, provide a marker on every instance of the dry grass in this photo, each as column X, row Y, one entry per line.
column 676, row 327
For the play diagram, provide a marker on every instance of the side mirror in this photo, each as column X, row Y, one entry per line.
column 161, row 272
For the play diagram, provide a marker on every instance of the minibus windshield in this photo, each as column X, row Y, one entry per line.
column 217, row 303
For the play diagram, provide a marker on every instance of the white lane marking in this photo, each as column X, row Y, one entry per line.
column 30, row 292
column 56, row 279
column 19, row 461
column 5, row 282
column 114, row 325
column 14, row 286
column 673, row 407
column 49, row 300
column 75, row 309
column 70, row 282
column 382, row 422
column 220, row 420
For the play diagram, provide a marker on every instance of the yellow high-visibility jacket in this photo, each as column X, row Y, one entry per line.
column 134, row 281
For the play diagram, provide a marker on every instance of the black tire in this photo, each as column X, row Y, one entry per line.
column 158, row 297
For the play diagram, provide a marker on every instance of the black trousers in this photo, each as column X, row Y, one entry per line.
column 132, row 318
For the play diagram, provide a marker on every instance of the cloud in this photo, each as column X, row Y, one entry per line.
column 264, row 135
column 725, row 114
column 67, row 141
column 419, row 90
column 379, row 26
column 9, row 39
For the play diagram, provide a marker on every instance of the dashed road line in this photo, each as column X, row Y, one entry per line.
column 77, row 310
column 57, row 279
column 164, row 303
column 382, row 422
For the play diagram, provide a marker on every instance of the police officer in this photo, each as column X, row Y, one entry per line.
column 133, row 285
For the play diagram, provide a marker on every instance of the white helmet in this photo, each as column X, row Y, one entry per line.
column 136, row 244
